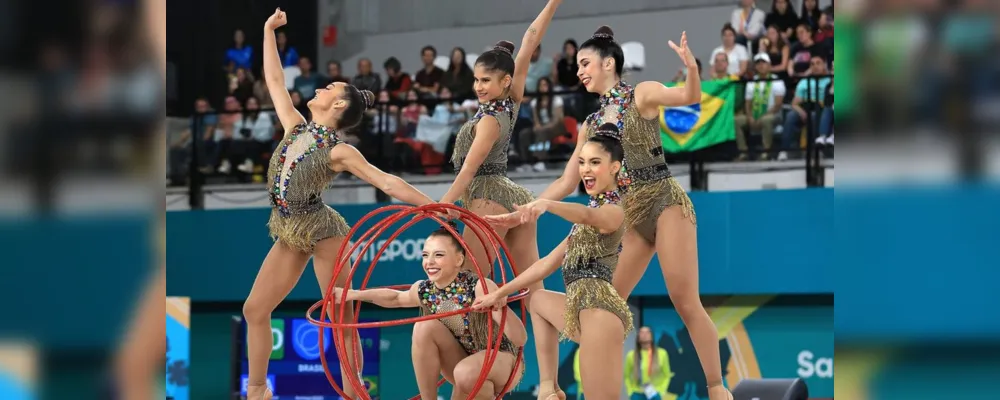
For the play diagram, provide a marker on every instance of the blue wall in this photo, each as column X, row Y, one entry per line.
column 749, row 243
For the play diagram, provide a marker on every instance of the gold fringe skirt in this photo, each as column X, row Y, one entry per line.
column 498, row 189
column 302, row 231
column 645, row 201
column 589, row 293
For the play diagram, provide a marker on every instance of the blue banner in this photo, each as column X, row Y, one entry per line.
column 178, row 347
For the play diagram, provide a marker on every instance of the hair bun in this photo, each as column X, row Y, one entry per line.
column 604, row 32
column 609, row 130
column 505, row 46
column 369, row 98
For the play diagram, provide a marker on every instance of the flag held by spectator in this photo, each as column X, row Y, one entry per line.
column 701, row 125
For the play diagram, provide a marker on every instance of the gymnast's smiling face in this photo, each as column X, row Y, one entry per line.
column 490, row 84
column 442, row 258
column 598, row 170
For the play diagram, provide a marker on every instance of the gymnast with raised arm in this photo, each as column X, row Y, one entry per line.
column 310, row 155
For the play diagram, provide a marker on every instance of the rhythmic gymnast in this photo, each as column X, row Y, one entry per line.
column 308, row 158
column 591, row 312
column 457, row 345
column 658, row 213
column 481, row 158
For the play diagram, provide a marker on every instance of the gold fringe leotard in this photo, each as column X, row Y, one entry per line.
column 297, row 175
column 470, row 329
column 491, row 182
column 591, row 259
column 645, row 180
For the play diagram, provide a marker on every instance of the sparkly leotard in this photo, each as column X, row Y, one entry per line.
column 645, row 180
column 591, row 259
column 297, row 174
column 491, row 182
column 471, row 330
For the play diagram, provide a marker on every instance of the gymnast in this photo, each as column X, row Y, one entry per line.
column 457, row 348
column 659, row 215
column 591, row 312
column 310, row 155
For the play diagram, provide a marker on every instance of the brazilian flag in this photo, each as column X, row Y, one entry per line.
column 701, row 125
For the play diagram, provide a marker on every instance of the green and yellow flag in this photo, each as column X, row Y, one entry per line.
column 701, row 125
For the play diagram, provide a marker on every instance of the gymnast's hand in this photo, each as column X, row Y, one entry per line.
column 276, row 20
column 684, row 52
column 531, row 211
column 492, row 301
column 504, row 221
column 338, row 293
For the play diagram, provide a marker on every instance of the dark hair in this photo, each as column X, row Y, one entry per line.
column 572, row 42
column 442, row 231
column 357, row 102
column 808, row 27
column 334, row 62
column 789, row 9
column 547, row 96
column 603, row 42
column 429, row 47
column 728, row 27
column 393, row 64
column 499, row 58
column 462, row 66
column 829, row 12
column 610, row 139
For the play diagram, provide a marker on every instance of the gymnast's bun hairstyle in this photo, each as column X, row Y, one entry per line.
column 443, row 232
column 603, row 42
column 610, row 139
column 499, row 58
column 357, row 102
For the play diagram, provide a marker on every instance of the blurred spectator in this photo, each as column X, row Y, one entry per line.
column 647, row 369
column 259, row 127
column 681, row 75
column 306, row 83
column 459, row 78
column 202, row 127
column 230, row 144
column 564, row 76
column 398, row 82
column 720, row 68
column 366, row 79
column 411, row 113
column 547, row 116
column 333, row 74
column 809, row 97
column 240, row 55
column 810, row 13
column 241, row 85
column 825, row 34
column 748, row 21
column 436, row 129
column 736, row 53
column 803, row 52
column 784, row 18
column 299, row 103
column 764, row 98
column 538, row 69
column 428, row 79
column 286, row 53
column 385, row 117
column 777, row 50
column 204, row 130
column 262, row 94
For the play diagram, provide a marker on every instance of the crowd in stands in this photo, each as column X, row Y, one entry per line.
column 413, row 126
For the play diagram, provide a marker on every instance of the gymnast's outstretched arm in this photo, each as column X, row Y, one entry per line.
column 387, row 298
column 345, row 157
column 535, row 273
column 608, row 218
column 532, row 38
column 651, row 95
column 274, row 75
column 513, row 327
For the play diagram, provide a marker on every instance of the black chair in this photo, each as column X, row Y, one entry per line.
column 771, row 389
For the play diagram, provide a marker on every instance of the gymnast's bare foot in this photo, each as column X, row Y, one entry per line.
column 258, row 392
column 719, row 392
column 549, row 391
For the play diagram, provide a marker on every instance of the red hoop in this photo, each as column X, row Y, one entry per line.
column 478, row 225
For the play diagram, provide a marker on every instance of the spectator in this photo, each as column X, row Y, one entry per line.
column 299, row 103
column 647, row 369
column 720, row 68
column 547, row 116
column 366, row 79
column 385, row 116
column 776, row 48
column 564, row 75
column 261, row 93
column 428, row 79
column 286, row 53
column 206, row 130
column 737, row 54
column 748, row 21
column 230, row 146
column 802, row 52
column 241, row 85
column 538, row 69
column 682, row 72
column 240, row 55
column 459, row 78
column 202, row 128
column 810, row 14
column 825, row 34
column 257, row 128
column 809, row 97
column 307, row 83
column 398, row 82
column 784, row 18
column 411, row 113
column 333, row 74
column 764, row 98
